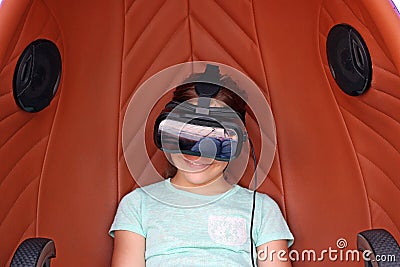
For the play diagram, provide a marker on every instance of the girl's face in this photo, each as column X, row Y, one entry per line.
column 194, row 171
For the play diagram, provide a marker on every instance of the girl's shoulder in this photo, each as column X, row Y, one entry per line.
column 261, row 198
column 142, row 192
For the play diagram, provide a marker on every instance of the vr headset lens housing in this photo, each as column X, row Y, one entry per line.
column 217, row 137
column 199, row 140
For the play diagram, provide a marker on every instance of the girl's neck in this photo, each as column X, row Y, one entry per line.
column 213, row 186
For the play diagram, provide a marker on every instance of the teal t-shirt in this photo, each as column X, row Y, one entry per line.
column 187, row 229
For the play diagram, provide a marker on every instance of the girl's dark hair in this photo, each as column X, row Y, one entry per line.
column 187, row 91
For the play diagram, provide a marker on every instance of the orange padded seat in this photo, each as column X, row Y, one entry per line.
column 336, row 170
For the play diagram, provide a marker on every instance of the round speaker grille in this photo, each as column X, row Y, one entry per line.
column 349, row 59
column 37, row 75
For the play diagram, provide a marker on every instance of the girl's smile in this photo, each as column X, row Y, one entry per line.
column 205, row 174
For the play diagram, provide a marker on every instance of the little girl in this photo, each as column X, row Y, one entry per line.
column 149, row 232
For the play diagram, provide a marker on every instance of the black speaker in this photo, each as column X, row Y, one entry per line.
column 37, row 75
column 349, row 59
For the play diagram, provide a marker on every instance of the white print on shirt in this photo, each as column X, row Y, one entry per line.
column 227, row 230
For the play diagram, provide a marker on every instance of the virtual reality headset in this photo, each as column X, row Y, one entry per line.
column 201, row 130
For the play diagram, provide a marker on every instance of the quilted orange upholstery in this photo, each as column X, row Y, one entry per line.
column 24, row 137
column 372, row 120
column 62, row 171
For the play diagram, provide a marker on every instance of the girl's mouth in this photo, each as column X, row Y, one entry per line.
column 196, row 165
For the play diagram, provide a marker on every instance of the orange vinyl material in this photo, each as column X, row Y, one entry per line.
column 25, row 137
column 336, row 169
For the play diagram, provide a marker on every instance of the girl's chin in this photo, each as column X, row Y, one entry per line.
column 196, row 179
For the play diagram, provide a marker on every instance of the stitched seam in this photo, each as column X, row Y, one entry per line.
column 386, row 93
column 10, row 115
column 277, row 153
column 143, row 31
column 50, row 16
column 380, row 169
column 190, row 31
column 163, row 47
column 369, row 127
column 23, row 156
column 17, row 130
column 376, row 203
column 228, row 53
column 120, row 119
column 328, row 13
column 386, row 70
column 237, row 24
column 378, row 110
column 19, row 196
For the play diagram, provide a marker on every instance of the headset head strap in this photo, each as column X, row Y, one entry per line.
column 208, row 88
